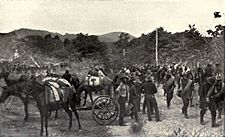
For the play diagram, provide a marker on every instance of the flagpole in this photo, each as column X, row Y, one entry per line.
column 156, row 48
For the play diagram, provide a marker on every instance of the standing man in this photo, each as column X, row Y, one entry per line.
column 149, row 89
column 208, row 71
column 123, row 91
column 67, row 76
column 220, row 96
column 169, row 88
column 207, row 100
column 218, row 71
column 187, row 88
column 134, row 98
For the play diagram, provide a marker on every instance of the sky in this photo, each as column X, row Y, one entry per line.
column 102, row 16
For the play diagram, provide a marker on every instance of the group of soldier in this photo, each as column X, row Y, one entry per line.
column 190, row 83
column 129, row 89
column 206, row 83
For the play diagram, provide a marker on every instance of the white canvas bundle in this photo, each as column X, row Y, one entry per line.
column 64, row 81
column 55, row 93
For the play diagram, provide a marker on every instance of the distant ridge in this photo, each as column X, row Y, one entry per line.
column 23, row 32
column 112, row 37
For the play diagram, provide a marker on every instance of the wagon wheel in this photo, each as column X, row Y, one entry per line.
column 105, row 110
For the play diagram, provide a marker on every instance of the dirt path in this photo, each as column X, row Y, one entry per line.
column 12, row 125
column 173, row 122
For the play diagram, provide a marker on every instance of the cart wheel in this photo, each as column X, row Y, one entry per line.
column 105, row 110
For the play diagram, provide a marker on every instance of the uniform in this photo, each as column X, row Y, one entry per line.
column 123, row 91
column 149, row 89
column 134, row 98
column 207, row 100
column 169, row 88
column 187, row 88
column 67, row 76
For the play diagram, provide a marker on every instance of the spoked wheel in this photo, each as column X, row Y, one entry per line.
column 105, row 110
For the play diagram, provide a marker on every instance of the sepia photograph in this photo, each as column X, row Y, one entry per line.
column 112, row 68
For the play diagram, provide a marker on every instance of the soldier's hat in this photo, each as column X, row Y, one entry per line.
column 217, row 64
column 148, row 78
column 124, row 76
column 137, row 81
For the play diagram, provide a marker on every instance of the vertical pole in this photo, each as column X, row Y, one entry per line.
column 156, row 47
column 224, row 78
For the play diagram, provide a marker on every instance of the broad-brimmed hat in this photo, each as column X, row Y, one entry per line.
column 124, row 76
column 148, row 78
column 217, row 64
column 137, row 81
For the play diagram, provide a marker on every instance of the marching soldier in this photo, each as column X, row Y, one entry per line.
column 220, row 96
column 207, row 100
column 123, row 91
column 208, row 71
column 149, row 89
column 187, row 88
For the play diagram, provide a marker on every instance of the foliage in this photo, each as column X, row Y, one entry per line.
column 188, row 45
column 219, row 30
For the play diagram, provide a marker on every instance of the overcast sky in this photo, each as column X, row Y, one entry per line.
column 103, row 16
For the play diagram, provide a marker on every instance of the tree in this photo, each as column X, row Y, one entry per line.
column 123, row 41
column 66, row 42
column 218, row 32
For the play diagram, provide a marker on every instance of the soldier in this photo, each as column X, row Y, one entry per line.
column 217, row 69
column 122, row 90
column 134, row 98
column 179, row 72
column 144, row 102
column 92, row 72
column 207, row 100
column 187, row 88
column 208, row 70
column 220, row 96
column 67, row 76
column 169, row 88
column 149, row 89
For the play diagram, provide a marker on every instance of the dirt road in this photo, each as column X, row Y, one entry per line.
column 172, row 124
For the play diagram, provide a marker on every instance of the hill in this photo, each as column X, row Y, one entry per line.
column 110, row 48
column 23, row 32
column 112, row 37
column 107, row 38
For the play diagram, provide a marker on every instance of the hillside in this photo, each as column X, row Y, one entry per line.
column 112, row 37
column 188, row 45
column 108, row 37
column 23, row 32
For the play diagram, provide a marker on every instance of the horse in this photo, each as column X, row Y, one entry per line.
column 9, row 82
column 74, row 82
column 11, row 78
column 41, row 93
column 106, row 85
